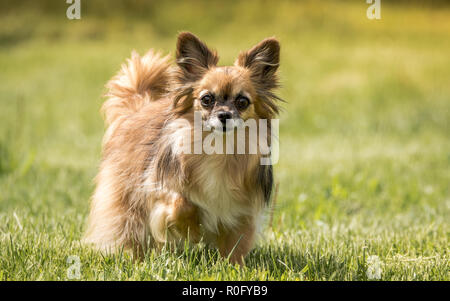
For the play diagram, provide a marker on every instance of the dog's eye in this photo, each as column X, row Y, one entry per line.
column 207, row 100
column 242, row 102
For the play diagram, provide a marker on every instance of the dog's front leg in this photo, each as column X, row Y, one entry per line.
column 237, row 242
column 185, row 220
column 173, row 217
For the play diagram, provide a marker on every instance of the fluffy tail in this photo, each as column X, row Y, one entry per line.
column 141, row 80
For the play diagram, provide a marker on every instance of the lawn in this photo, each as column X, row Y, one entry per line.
column 364, row 167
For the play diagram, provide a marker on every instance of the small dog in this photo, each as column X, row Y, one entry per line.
column 148, row 191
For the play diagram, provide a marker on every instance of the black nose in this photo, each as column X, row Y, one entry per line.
column 223, row 116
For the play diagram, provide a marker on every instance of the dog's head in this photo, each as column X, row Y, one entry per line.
column 227, row 96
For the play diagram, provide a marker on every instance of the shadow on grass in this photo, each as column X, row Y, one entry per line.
column 304, row 265
column 282, row 262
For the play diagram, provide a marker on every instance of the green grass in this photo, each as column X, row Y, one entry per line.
column 364, row 140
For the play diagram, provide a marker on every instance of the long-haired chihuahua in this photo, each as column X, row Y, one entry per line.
column 150, row 189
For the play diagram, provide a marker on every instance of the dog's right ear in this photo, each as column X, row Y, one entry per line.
column 193, row 56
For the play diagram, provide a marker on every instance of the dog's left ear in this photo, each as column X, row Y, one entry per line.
column 262, row 61
column 193, row 56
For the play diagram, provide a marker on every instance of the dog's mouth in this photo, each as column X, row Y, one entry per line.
column 221, row 128
column 224, row 129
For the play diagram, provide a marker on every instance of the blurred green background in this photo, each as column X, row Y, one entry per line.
column 364, row 139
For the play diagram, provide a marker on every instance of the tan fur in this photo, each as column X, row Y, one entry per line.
column 148, row 192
